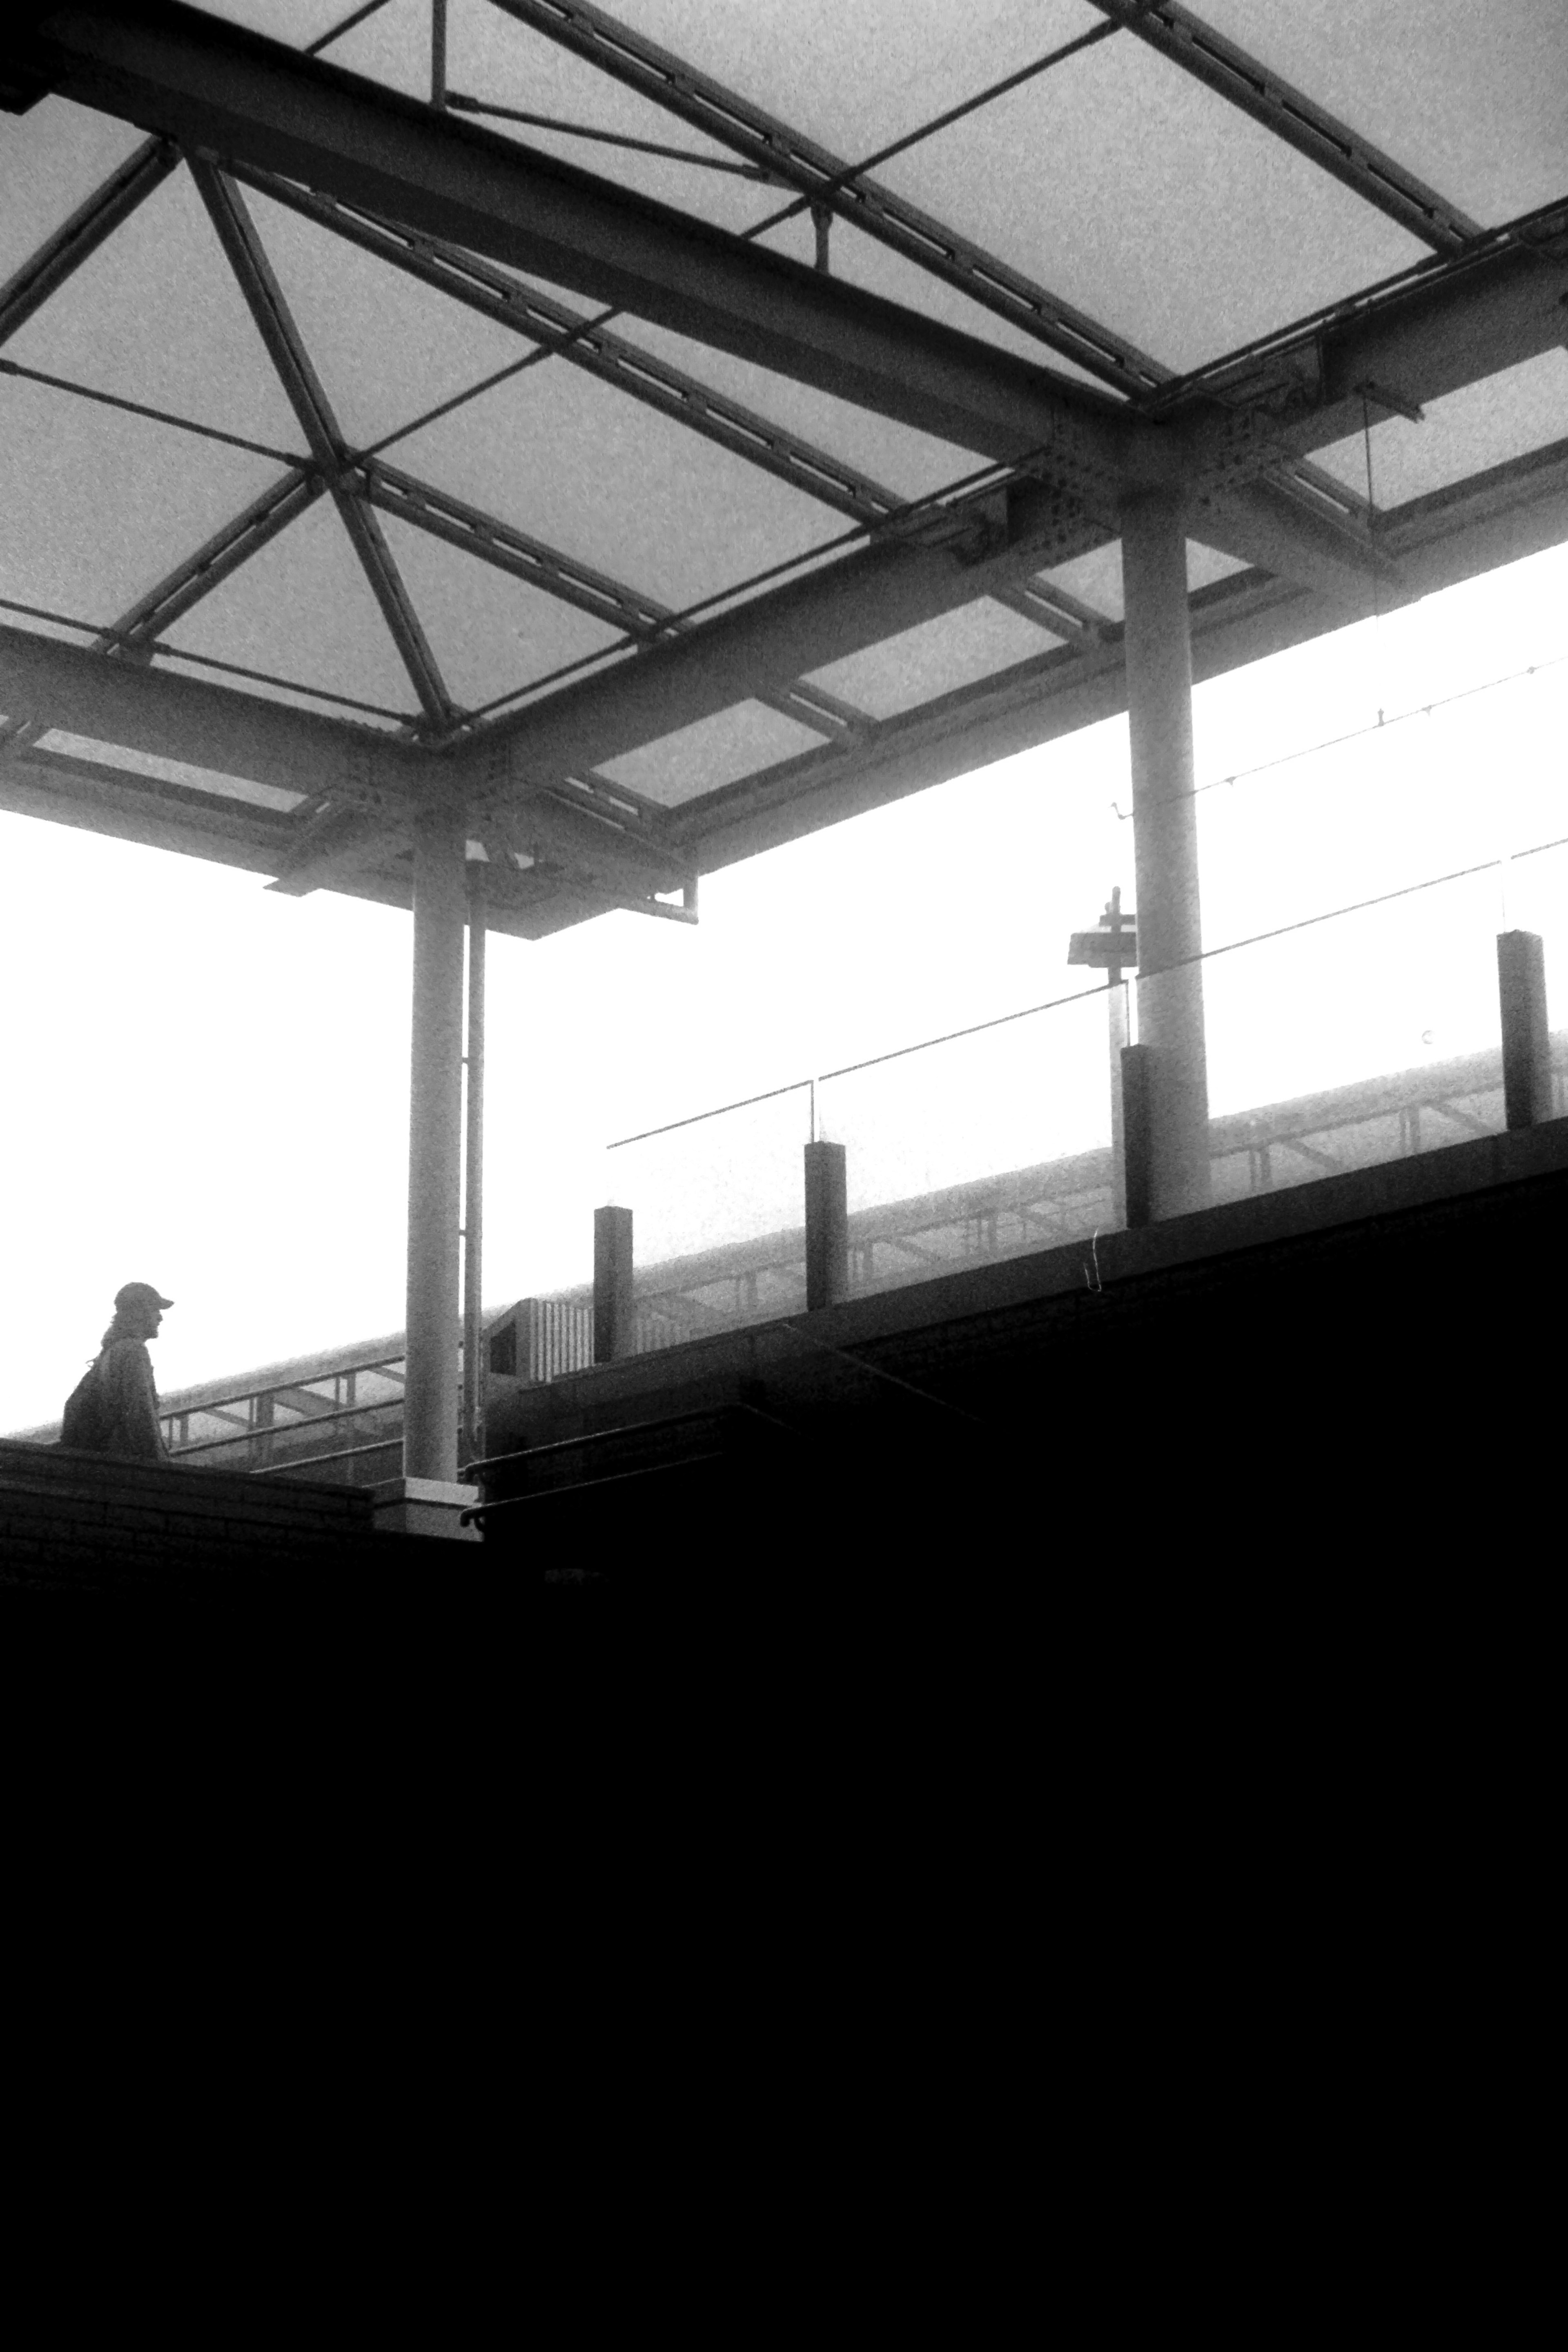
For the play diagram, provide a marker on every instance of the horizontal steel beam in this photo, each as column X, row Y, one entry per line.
column 1509, row 512
column 222, row 90
column 1446, row 326
column 150, row 710
column 1515, row 510
column 777, row 640
column 834, row 186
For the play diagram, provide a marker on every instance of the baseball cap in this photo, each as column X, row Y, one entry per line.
column 140, row 1294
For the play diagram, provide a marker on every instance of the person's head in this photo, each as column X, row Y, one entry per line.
column 138, row 1307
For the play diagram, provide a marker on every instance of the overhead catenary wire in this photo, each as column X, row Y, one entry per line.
column 1354, row 734
column 1083, row 995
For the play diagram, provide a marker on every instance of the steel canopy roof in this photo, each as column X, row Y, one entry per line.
column 666, row 430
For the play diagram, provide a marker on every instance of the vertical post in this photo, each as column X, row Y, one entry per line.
column 827, row 1225
column 1526, row 1040
column 437, row 52
column 473, row 1177
column 1136, row 1160
column 434, row 1148
column 1165, row 848
column 615, row 1323
column 1116, row 1027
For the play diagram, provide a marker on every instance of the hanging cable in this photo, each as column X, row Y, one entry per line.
column 1354, row 734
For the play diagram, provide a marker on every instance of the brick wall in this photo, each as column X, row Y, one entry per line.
column 71, row 1520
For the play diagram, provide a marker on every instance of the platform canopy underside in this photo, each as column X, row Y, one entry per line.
column 663, row 431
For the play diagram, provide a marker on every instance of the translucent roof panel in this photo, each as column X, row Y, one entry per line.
column 1164, row 211
column 302, row 609
column 99, row 506
column 171, row 772
column 297, row 21
column 955, row 649
column 386, row 347
column 1522, row 408
column 607, row 480
column 391, row 47
column 490, row 633
column 711, row 753
column 51, row 160
column 155, row 315
column 1095, row 579
column 854, row 78
column 1205, row 565
column 491, row 56
column 910, row 463
column 1472, row 99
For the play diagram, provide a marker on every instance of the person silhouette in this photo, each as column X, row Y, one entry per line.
column 126, row 1398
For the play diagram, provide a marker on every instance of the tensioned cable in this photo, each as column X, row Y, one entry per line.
column 792, row 211
column 1379, row 726
column 863, row 1364
column 797, row 1085
column 460, row 104
column 1083, row 995
column 458, row 399
column 356, row 17
column 158, row 416
column 938, row 122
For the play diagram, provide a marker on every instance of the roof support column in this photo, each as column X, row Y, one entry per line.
column 1165, row 848
column 434, row 1148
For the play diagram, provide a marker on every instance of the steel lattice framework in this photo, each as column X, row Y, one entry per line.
column 1065, row 417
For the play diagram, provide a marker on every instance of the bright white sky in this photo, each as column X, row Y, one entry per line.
column 208, row 1084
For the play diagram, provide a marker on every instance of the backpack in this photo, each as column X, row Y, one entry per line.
column 86, row 1421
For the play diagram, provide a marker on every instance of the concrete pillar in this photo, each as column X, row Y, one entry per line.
column 434, row 1148
column 827, row 1225
column 614, row 1313
column 1166, row 849
column 1526, row 1039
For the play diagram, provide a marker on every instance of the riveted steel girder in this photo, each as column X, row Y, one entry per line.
column 77, row 239
column 832, row 184
column 1295, row 119
column 509, row 549
column 148, row 709
column 225, row 91
column 202, row 572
